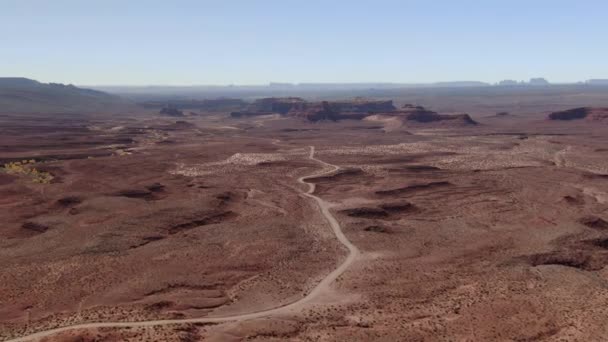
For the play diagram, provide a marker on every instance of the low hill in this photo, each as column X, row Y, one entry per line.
column 22, row 95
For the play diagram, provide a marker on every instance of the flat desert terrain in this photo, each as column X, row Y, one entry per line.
column 270, row 228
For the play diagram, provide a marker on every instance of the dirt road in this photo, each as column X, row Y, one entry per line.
column 322, row 286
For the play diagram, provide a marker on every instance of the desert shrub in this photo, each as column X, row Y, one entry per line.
column 25, row 168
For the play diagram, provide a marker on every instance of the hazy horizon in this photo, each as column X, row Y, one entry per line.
column 312, row 83
column 194, row 43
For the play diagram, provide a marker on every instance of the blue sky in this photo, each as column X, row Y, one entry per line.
column 257, row 41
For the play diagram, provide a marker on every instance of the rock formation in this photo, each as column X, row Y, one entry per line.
column 588, row 113
column 360, row 105
column 318, row 112
column 280, row 105
column 356, row 109
column 171, row 111
column 246, row 114
column 419, row 115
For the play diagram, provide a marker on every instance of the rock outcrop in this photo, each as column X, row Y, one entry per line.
column 410, row 114
column 246, row 114
column 171, row 111
column 588, row 113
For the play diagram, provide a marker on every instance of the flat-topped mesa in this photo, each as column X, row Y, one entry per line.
column 418, row 114
column 360, row 105
column 355, row 109
column 344, row 110
column 219, row 104
column 171, row 111
column 272, row 105
column 280, row 105
column 587, row 113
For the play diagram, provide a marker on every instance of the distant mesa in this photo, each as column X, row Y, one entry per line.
column 219, row 104
column 270, row 106
column 417, row 115
column 602, row 82
column 570, row 114
column 538, row 81
column 508, row 83
column 171, row 111
column 356, row 109
column 361, row 105
column 281, row 105
column 587, row 113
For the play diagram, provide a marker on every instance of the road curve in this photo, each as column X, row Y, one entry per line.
column 323, row 285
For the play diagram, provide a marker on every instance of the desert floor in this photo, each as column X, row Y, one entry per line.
column 495, row 232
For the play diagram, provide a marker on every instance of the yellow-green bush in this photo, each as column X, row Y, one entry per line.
column 24, row 168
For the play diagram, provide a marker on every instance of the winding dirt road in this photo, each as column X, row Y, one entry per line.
column 322, row 286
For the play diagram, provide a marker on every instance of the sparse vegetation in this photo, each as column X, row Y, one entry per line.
column 121, row 152
column 25, row 168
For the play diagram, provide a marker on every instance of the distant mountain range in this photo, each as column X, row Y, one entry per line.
column 313, row 89
column 306, row 87
column 308, row 90
column 23, row 95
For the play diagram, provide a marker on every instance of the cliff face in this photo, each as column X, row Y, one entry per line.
column 588, row 113
column 344, row 110
column 317, row 112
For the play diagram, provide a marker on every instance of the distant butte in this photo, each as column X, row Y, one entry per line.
column 419, row 114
